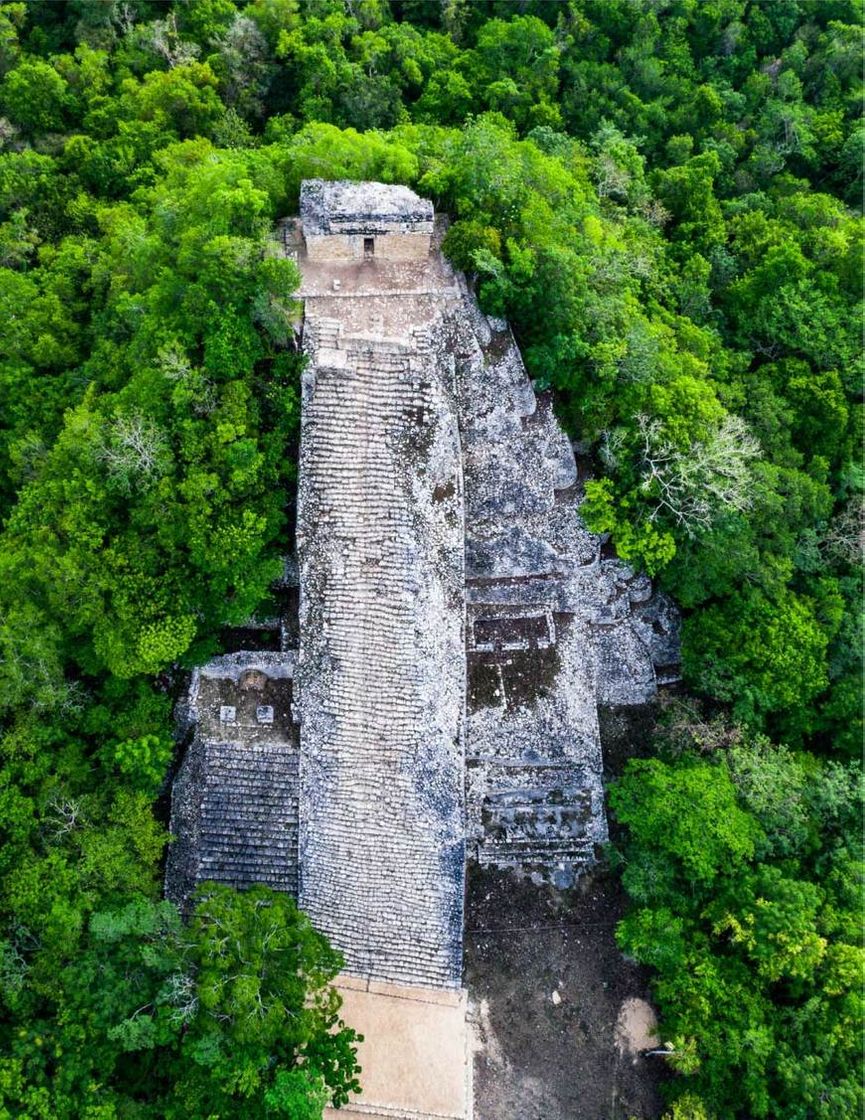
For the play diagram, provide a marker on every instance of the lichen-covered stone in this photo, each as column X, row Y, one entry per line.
column 381, row 670
column 343, row 206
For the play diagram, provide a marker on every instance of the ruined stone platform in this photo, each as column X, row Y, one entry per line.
column 553, row 627
column 235, row 801
column 458, row 626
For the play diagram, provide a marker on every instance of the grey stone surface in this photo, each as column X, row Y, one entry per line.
column 345, row 207
column 380, row 671
column 535, row 796
column 534, row 790
column 459, row 625
column 235, row 799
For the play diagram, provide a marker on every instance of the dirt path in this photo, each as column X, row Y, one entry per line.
column 562, row 1017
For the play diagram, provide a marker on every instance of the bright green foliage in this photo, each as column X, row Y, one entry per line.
column 175, row 466
column 687, row 1108
column 514, row 69
column 745, row 871
column 688, row 813
column 144, row 761
column 262, row 983
column 759, row 653
column 664, row 200
column 34, row 96
column 183, row 100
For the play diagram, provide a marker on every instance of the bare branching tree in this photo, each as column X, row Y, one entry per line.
column 685, row 727
column 844, row 539
column 612, row 446
column 697, row 484
column 164, row 40
column 181, row 993
column 174, row 363
column 63, row 816
column 123, row 17
column 612, row 179
column 244, row 50
column 13, row 967
column 654, row 211
column 8, row 131
column 31, row 671
column 134, row 451
column 176, row 367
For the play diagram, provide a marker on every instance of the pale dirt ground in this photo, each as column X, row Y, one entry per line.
column 416, row 1052
column 636, row 1028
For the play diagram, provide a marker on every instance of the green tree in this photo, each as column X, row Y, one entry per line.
column 231, row 1013
column 742, row 869
column 35, row 96
column 760, row 653
column 262, row 978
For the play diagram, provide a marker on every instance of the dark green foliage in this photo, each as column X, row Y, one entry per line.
column 664, row 201
column 172, row 460
column 225, row 1016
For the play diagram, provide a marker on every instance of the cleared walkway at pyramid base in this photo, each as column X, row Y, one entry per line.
column 416, row 1057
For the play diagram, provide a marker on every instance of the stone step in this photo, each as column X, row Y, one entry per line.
column 534, row 853
column 288, row 885
column 247, row 873
column 248, row 868
column 535, row 796
column 249, row 815
column 271, row 785
column 281, row 835
column 267, row 772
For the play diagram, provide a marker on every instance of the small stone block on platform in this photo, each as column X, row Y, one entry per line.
column 264, row 713
column 227, row 714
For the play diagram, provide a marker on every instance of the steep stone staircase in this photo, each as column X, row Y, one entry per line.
column 249, row 815
column 373, row 837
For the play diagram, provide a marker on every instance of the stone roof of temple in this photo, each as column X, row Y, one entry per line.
column 347, row 207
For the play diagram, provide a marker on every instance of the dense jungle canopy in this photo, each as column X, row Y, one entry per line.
column 664, row 198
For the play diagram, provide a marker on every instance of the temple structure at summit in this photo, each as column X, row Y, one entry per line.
column 458, row 627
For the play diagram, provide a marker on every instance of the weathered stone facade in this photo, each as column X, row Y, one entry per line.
column 357, row 221
column 554, row 629
column 235, row 800
column 458, row 624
